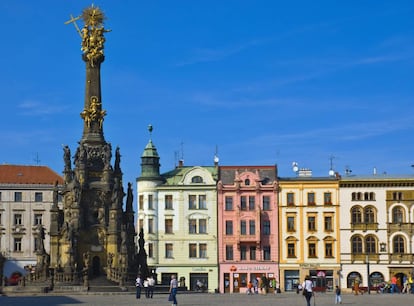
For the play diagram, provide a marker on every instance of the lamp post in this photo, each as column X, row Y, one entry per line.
column 368, row 280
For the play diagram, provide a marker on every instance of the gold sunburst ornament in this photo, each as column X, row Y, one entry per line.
column 93, row 16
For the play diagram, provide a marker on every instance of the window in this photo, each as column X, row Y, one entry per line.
column 202, row 226
column 168, row 201
column 151, row 226
column 290, row 224
column 150, row 250
column 1, row 221
column 328, row 250
column 311, row 198
column 397, row 196
column 311, row 223
column 290, row 196
column 252, row 227
column 266, row 227
column 247, row 182
column 356, row 245
column 252, row 253
column 38, row 197
column 291, row 250
column 17, row 244
column 251, row 202
column 192, row 250
column 266, row 252
column 369, row 215
column 266, row 203
column 140, row 224
column 192, row 202
column 370, row 245
column 327, row 198
column 328, row 224
column 202, row 203
column 0, row 196
column 397, row 215
column 243, row 252
column 168, row 226
column 197, row 179
column 243, row 230
column 141, row 202
column 192, row 224
column 312, row 250
column 229, row 252
column 243, row 203
column 17, row 197
column 398, row 244
column 168, row 250
column 229, row 227
column 356, row 215
column 150, row 202
column 37, row 219
column 202, row 249
column 229, row 203
column 18, row 219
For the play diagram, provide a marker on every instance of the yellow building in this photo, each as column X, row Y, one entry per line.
column 309, row 231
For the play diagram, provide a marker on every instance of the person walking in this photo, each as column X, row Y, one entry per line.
column 151, row 286
column 173, row 290
column 146, row 287
column 338, row 297
column 307, row 286
column 138, row 285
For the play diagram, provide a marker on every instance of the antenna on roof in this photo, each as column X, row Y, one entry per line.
column 216, row 158
column 182, row 150
column 36, row 159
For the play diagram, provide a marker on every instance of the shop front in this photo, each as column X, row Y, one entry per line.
column 234, row 278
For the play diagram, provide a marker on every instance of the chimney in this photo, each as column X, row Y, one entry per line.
column 180, row 163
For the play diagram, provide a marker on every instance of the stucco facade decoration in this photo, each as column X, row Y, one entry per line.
column 248, row 227
column 309, row 232
column 376, row 230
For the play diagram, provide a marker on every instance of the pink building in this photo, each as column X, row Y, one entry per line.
column 248, row 243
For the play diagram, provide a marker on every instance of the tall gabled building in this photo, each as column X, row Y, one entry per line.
column 248, row 226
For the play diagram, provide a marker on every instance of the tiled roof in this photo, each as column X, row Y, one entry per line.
column 18, row 174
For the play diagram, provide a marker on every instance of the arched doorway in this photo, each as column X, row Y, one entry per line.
column 96, row 266
column 350, row 280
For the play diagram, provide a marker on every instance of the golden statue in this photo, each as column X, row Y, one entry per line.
column 94, row 113
column 92, row 33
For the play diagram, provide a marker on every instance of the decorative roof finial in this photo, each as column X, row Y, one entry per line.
column 150, row 128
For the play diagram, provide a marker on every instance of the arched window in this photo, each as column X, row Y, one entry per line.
column 397, row 215
column 398, row 244
column 247, row 182
column 351, row 278
column 369, row 215
column 370, row 245
column 197, row 179
column 356, row 245
column 372, row 196
column 356, row 215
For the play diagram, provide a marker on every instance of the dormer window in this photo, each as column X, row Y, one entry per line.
column 247, row 182
column 197, row 179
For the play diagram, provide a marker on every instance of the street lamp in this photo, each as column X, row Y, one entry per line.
column 367, row 262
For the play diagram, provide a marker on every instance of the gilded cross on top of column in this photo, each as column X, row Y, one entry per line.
column 92, row 33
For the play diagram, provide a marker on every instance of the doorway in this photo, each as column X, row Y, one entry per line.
column 96, row 266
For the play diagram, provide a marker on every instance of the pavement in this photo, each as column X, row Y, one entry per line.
column 204, row 299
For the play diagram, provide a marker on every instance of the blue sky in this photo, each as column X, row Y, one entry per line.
column 266, row 82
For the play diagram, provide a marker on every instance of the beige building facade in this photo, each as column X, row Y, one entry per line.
column 26, row 196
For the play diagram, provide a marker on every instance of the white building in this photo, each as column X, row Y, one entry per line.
column 177, row 211
column 26, row 196
column 376, row 229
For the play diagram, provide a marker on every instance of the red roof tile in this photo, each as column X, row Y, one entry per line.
column 17, row 174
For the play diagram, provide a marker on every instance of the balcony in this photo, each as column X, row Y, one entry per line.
column 364, row 227
column 248, row 238
column 372, row 258
column 398, row 227
column 401, row 258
